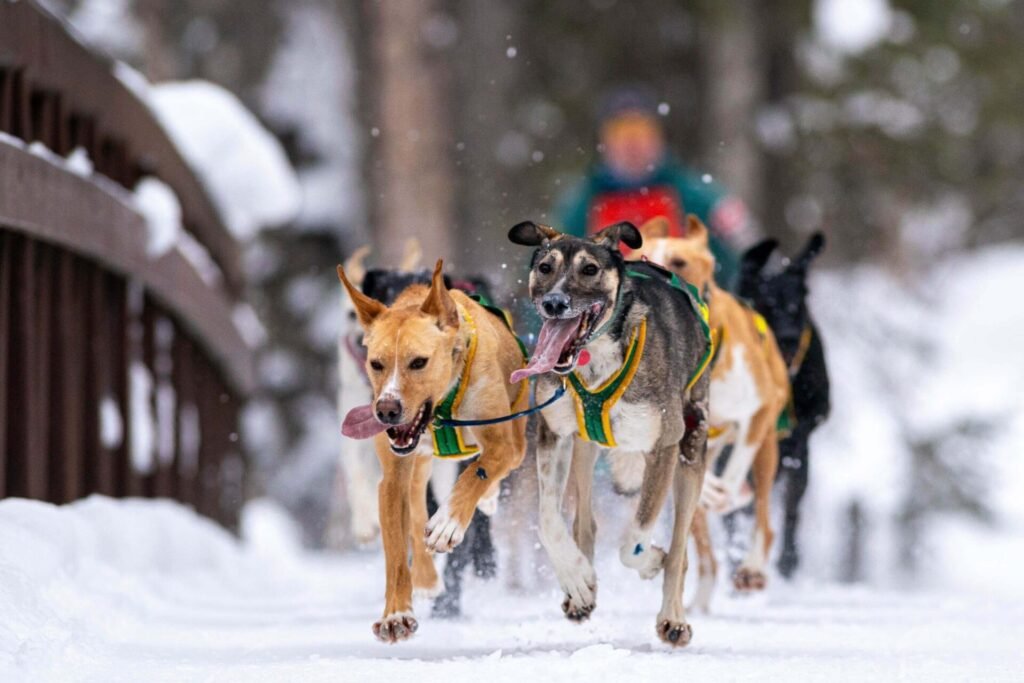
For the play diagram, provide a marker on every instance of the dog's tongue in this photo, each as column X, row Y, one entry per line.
column 553, row 337
column 361, row 424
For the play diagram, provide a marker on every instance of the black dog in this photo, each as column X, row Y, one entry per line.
column 477, row 547
column 782, row 299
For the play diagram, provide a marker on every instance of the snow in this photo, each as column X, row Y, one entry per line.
column 158, row 204
column 143, row 423
column 909, row 359
column 242, row 165
column 852, row 26
column 133, row 590
column 109, row 24
column 200, row 259
column 79, row 163
column 111, row 423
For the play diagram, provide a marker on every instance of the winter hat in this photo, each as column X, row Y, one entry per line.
column 630, row 98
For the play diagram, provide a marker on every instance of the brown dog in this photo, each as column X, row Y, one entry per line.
column 749, row 389
column 433, row 353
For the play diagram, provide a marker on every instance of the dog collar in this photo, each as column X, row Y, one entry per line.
column 593, row 406
column 448, row 440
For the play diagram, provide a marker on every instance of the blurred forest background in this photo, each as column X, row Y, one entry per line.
column 896, row 126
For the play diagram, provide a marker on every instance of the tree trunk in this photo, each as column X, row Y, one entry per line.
column 413, row 169
column 734, row 81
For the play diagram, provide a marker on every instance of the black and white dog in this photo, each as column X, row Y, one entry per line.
column 781, row 297
column 627, row 343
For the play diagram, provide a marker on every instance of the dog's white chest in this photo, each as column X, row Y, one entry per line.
column 636, row 426
column 734, row 397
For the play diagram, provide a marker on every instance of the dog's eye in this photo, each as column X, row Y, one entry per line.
column 376, row 365
column 589, row 270
column 418, row 363
column 544, row 268
column 677, row 263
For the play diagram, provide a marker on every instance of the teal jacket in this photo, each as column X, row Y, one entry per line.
column 697, row 197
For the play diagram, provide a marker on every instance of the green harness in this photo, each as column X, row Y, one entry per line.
column 448, row 440
column 594, row 406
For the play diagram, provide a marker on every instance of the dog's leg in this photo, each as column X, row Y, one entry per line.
column 361, row 473
column 671, row 623
column 575, row 573
column 449, row 604
column 689, row 475
column 356, row 459
column 751, row 573
column 398, row 622
column 425, row 582
column 794, row 460
column 730, row 491
column 707, row 564
column 584, row 527
column 503, row 446
column 515, row 527
column 636, row 550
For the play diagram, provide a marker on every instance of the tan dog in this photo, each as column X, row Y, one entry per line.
column 432, row 351
column 749, row 389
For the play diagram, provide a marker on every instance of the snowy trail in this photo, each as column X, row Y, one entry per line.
column 199, row 607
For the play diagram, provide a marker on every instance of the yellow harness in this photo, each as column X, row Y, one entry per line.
column 448, row 440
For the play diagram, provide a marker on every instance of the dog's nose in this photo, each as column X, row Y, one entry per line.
column 555, row 304
column 389, row 411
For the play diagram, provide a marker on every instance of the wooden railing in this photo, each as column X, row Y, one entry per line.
column 119, row 373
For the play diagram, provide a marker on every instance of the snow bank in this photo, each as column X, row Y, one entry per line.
column 79, row 581
column 909, row 360
column 66, row 572
column 108, row 591
column 242, row 164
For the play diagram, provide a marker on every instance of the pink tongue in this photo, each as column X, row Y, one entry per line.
column 553, row 337
column 361, row 424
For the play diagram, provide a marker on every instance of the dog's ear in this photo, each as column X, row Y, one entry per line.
column 813, row 247
column 367, row 308
column 695, row 229
column 655, row 228
column 355, row 265
column 754, row 259
column 530, row 234
column 411, row 255
column 620, row 232
column 439, row 302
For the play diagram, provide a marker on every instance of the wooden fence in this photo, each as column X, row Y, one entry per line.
column 119, row 374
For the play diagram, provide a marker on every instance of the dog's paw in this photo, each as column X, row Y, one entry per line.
column 748, row 580
column 489, row 505
column 713, row 495
column 429, row 591
column 675, row 633
column 652, row 562
column 702, row 596
column 443, row 532
column 364, row 529
column 717, row 498
column 395, row 627
column 580, row 592
column 648, row 561
column 575, row 611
